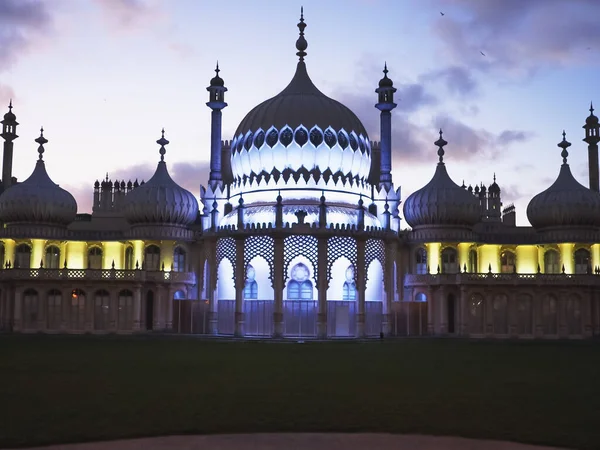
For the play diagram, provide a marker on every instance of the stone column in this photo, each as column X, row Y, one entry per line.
column 443, row 308
column 361, row 286
column 463, row 322
column 18, row 317
column 211, row 285
column 65, row 302
column 430, row 312
column 586, row 308
column 489, row 313
column 159, row 306
column 137, row 307
column 89, row 308
column 562, row 314
column 278, row 277
column 42, row 306
column 513, row 314
column 240, row 278
column 169, row 306
column 322, row 285
column 113, row 310
column 538, row 324
column 389, row 287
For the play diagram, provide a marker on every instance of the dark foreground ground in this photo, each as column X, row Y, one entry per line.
column 58, row 389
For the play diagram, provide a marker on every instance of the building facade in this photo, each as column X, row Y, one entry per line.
column 299, row 233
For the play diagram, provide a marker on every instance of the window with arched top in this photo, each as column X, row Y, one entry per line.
column 421, row 260
column 101, row 310
column 54, row 311
column 551, row 262
column 524, row 314
column 30, row 309
column 251, row 286
column 300, row 287
column 95, row 258
column 573, row 315
column 125, row 310
column 473, row 263
column 349, row 288
column 23, row 256
column 507, row 262
column 179, row 260
column 129, row 264
column 476, row 314
column 77, row 310
column 582, row 261
column 550, row 315
column 449, row 260
column 420, row 297
column 500, row 314
column 152, row 257
column 52, row 257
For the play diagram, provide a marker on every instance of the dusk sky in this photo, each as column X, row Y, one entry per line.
column 104, row 76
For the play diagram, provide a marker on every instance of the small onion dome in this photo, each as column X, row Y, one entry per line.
column 160, row 200
column 591, row 120
column 494, row 188
column 385, row 81
column 217, row 81
column 441, row 201
column 38, row 199
column 567, row 203
column 10, row 116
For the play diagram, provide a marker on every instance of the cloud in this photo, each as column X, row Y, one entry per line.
column 519, row 37
column 128, row 15
column 508, row 137
column 458, row 80
column 6, row 94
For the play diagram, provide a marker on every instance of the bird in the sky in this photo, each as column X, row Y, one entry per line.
column 442, row 13
column 481, row 52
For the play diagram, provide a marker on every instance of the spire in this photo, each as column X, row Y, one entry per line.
column 301, row 44
column 441, row 143
column 217, row 81
column 591, row 108
column 564, row 144
column 41, row 140
column 162, row 142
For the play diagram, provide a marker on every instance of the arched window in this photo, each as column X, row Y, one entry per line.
column 551, row 262
column 125, row 310
column 550, row 315
column 251, row 286
column 30, row 309
column 300, row 287
column 582, row 261
column 101, row 310
column 52, row 259
column 77, row 310
column 420, row 297
column 95, row 258
column 449, row 260
column 349, row 292
column 476, row 314
column 573, row 315
column 473, row 264
column 421, row 260
column 23, row 256
column 179, row 257
column 53, row 314
column 129, row 259
column 500, row 314
column 507, row 262
column 524, row 314
column 152, row 258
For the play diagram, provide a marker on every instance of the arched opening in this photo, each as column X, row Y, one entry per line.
column 507, row 262
column 95, row 258
column 500, row 314
column 374, row 294
column 250, row 285
column 225, row 295
column 101, row 310
column 77, row 309
column 349, row 286
column 476, row 314
column 150, row 310
column 54, row 311
column 421, row 260
column 524, row 314
column 52, row 257
column 449, row 260
column 551, row 262
column 341, row 299
column 258, row 298
column 300, row 286
column 550, row 315
column 473, row 263
column 30, row 309
column 451, row 311
column 573, row 315
column 23, row 256
column 300, row 308
column 179, row 260
column 152, row 257
column 125, row 310
column 179, row 295
column 129, row 259
column 582, row 261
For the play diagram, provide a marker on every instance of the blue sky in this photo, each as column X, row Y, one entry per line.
column 104, row 76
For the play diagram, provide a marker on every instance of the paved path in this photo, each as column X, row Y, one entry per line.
column 300, row 441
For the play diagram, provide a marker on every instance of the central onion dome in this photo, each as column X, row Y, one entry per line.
column 567, row 203
column 301, row 130
column 441, row 202
column 160, row 201
column 38, row 199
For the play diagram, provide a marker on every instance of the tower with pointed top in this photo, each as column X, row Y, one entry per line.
column 9, row 134
column 592, row 137
column 216, row 96
column 385, row 104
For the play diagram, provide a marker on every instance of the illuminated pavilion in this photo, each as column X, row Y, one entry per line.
column 298, row 233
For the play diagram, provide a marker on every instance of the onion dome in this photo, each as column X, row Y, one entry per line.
column 591, row 119
column 38, row 199
column 567, row 203
column 385, row 81
column 10, row 116
column 217, row 81
column 301, row 130
column 441, row 202
column 160, row 201
column 494, row 189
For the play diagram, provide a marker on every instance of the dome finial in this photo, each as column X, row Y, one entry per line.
column 301, row 44
column 441, row 143
column 10, row 105
column 162, row 142
column 564, row 144
column 592, row 108
column 494, row 177
column 41, row 140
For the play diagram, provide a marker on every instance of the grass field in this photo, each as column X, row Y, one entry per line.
column 58, row 389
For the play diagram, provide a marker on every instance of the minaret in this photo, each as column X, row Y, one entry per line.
column 9, row 134
column 386, row 103
column 592, row 137
column 216, row 102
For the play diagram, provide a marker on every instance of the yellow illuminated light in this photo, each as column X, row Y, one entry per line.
column 138, row 253
column 9, row 252
column 463, row 255
column 434, row 256
column 489, row 255
column 76, row 255
column 526, row 258
column 112, row 251
column 37, row 252
column 566, row 257
column 166, row 254
column 595, row 254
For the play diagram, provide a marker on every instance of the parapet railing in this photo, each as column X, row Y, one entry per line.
column 158, row 276
column 502, row 278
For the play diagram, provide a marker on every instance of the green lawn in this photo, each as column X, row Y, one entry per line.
column 58, row 389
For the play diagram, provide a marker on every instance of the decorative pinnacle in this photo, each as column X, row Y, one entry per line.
column 494, row 177
column 564, row 144
column 591, row 108
column 162, row 142
column 441, row 143
column 41, row 140
column 385, row 69
column 301, row 44
column 217, row 70
column 10, row 105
